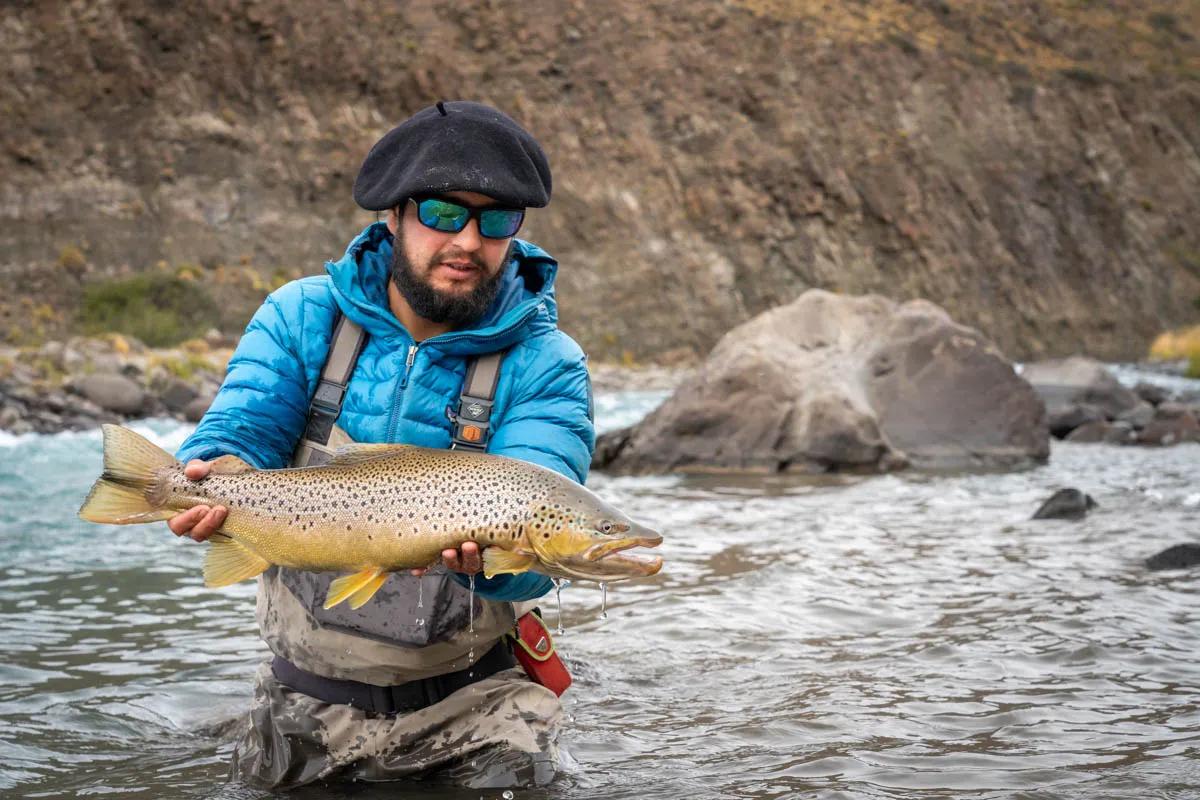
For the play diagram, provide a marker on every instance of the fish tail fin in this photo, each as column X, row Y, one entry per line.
column 125, row 492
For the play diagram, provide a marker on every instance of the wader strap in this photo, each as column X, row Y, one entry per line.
column 403, row 698
column 345, row 345
column 472, row 420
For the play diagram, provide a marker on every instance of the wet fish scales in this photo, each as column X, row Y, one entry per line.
column 375, row 509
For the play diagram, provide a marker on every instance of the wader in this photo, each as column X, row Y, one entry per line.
column 403, row 686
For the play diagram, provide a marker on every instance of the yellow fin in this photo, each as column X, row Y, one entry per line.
column 132, row 467
column 131, row 458
column 229, row 562
column 350, row 454
column 347, row 585
column 368, row 590
column 117, row 504
column 230, row 465
column 497, row 561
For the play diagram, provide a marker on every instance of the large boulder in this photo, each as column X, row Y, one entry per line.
column 831, row 382
column 1066, row 382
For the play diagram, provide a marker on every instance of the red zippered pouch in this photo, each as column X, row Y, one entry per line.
column 534, row 649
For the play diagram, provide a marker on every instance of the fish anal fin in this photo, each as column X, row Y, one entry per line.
column 497, row 561
column 368, row 590
column 350, row 454
column 347, row 585
column 229, row 562
column 229, row 465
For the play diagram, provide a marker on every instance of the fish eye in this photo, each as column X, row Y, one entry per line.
column 604, row 526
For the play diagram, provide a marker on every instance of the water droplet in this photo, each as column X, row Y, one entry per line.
column 603, row 600
column 508, row 795
column 420, row 593
column 559, row 583
column 471, row 585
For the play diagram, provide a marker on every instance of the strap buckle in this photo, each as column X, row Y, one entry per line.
column 471, row 423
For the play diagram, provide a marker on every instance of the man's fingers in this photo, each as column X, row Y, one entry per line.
column 206, row 527
column 467, row 561
column 196, row 469
column 470, row 558
column 182, row 523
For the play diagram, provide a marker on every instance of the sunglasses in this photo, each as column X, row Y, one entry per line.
column 449, row 217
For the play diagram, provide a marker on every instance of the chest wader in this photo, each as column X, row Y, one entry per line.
column 410, row 646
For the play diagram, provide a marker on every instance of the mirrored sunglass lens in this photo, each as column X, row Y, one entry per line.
column 442, row 216
column 500, row 223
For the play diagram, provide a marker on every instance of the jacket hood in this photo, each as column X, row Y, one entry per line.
column 524, row 305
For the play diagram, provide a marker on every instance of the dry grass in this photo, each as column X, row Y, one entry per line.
column 1180, row 344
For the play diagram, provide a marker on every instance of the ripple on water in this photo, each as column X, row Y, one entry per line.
column 846, row 637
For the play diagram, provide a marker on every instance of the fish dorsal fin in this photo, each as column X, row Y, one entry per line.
column 229, row 562
column 350, row 454
column 229, row 465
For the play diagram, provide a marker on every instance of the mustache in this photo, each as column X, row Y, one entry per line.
column 455, row 254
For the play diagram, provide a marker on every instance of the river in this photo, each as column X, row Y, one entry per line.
column 877, row 637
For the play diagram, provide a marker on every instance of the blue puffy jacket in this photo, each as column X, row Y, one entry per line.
column 400, row 390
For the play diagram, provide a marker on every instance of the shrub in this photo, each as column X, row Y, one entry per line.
column 71, row 258
column 1162, row 21
column 1084, row 77
column 159, row 309
column 1181, row 344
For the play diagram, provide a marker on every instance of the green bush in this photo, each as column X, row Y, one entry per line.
column 161, row 310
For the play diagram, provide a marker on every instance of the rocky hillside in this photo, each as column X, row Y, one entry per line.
column 1033, row 167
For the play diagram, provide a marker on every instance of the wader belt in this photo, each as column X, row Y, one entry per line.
column 403, row 698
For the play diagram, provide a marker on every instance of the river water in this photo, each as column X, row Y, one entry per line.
column 879, row 637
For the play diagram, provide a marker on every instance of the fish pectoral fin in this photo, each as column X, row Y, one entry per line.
column 229, row 562
column 348, row 585
column 497, row 561
column 229, row 465
column 368, row 590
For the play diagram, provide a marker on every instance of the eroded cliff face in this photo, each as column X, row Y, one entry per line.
column 1033, row 167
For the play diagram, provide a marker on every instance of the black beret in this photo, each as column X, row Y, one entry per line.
column 456, row 146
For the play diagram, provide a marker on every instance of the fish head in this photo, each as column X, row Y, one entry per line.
column 583, row 537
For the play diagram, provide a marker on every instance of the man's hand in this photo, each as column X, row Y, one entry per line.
column 198, row 522
column 465, row 560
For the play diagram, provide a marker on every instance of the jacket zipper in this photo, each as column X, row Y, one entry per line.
column 412, row 357
column 408, row 365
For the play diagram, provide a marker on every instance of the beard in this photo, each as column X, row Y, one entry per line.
column 458, row 311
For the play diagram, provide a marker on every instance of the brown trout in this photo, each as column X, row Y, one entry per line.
column 374, row 510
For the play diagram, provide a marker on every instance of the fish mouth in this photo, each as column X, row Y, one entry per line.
column 608, row 560
column 609, row 569
column 611, row 548
column 630, row 564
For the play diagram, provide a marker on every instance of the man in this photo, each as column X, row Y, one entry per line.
column 420, row 679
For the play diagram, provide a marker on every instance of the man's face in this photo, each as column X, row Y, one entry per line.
column 446, row 277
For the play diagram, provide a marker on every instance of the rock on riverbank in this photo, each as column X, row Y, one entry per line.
column 1085, row 403
column 84, row 382
column 831, row 382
